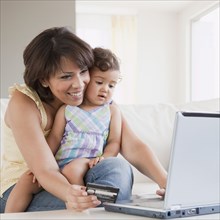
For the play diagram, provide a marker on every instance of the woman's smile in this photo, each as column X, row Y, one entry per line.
column 76, row 95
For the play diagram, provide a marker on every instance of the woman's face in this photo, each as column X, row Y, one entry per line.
column 68, row 84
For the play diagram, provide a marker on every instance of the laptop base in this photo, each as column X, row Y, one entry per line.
column 163, row 214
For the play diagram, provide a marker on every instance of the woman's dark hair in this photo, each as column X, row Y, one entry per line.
column 43, row 55
column 105, row 60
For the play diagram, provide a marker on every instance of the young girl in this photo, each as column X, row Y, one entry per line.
column 81, row 136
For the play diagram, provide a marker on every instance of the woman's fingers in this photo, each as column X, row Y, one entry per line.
column 161, row 192
column 78, row 189
column 78, row 200
column 83, row 204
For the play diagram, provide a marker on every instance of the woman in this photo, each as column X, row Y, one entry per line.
column 56, row 72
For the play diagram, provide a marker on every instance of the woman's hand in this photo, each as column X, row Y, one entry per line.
column 77, row 199
column 161, row 192
column 94, row 161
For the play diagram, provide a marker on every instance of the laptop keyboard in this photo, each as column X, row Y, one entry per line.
column 149, row 202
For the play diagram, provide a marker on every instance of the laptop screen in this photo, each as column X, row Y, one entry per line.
column 194, row 174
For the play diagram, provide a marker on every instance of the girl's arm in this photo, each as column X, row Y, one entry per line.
column 37, row 154
column 55, row 136
column 114, row 139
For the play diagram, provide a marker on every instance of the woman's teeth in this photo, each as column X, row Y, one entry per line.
column 76, row 94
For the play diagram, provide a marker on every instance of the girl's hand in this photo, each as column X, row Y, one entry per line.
column 95, row 160
column 77, row 199
column 34, row 180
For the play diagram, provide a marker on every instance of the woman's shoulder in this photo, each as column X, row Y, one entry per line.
column 19, row 98
column 22, row 94
column 25, row 90
column 22, row 98
column 20, row 105
column 19, row 102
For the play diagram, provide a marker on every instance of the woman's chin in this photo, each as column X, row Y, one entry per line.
column 75, row 102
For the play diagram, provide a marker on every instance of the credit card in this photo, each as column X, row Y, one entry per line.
column 102, row 192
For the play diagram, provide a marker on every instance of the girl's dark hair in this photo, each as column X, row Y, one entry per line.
column 105, row 60
column 43, row 55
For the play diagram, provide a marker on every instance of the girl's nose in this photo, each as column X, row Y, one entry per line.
column 105, row 87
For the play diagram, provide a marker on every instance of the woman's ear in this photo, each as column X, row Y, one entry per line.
column 44, row 83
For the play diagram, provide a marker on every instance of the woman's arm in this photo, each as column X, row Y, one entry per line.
column 141, row 156
column 32, row 144
column 24, row 119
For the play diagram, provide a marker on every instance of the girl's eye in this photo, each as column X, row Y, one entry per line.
column 99, row 82
column 111, row 86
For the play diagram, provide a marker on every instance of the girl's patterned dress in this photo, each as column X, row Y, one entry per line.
column 85, row 134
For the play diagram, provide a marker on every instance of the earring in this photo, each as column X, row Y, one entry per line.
column 44, row 85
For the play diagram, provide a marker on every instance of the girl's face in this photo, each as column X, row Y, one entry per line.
column 101, row 87
column 68, row 85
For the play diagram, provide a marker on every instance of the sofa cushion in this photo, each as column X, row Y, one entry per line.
column 153, row 123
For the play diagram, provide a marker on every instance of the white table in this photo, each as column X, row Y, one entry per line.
column 96, row 213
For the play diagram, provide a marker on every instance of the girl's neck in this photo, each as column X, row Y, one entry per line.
column 86, row 105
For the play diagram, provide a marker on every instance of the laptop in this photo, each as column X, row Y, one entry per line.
column 193, row 184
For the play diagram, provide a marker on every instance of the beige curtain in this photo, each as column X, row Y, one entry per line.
column 124, row 44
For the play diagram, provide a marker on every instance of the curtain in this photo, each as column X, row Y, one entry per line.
column 124, row 45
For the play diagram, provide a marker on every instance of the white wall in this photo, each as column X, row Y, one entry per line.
column 20, row 22
column 164, row 53
column 156, row 73
column 163, row 45
column 163, row 60
column 157, row 59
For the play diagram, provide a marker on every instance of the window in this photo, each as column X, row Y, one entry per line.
column 205, row 56
column 115, row 32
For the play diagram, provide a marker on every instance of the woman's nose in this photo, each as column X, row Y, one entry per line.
column 77, row 82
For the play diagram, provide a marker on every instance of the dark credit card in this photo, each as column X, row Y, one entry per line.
column 102, row 192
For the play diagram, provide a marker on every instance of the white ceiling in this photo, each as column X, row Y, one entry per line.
column 103, row 6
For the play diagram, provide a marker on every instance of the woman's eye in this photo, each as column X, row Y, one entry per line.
column 84, row 72
column 66, row 77
column 99, row 82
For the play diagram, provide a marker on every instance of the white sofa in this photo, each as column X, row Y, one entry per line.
column 153, row 123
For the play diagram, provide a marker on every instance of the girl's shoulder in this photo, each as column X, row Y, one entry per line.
column 113, row 106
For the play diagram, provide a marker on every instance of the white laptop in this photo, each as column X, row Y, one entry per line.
column 193, row 185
